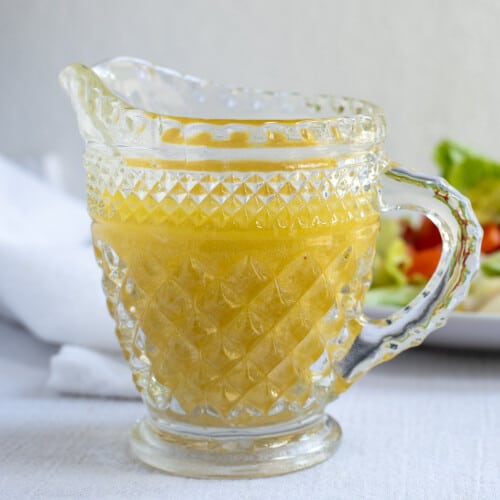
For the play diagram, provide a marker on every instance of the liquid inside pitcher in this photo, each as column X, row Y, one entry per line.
column 236, row 232
column 234, row 308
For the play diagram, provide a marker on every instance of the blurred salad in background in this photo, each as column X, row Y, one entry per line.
column 408, row 251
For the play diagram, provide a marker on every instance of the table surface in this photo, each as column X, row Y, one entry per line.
column 426, row 425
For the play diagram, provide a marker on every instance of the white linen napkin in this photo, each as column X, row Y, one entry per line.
column 78, row 370
column 51, row 284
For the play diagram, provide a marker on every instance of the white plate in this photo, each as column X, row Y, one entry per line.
column 463, row 330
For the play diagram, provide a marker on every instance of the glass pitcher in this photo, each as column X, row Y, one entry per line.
column 236, row 232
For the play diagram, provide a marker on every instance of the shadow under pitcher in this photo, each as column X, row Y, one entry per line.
column 236, row 233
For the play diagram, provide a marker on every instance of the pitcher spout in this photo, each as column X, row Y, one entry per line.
column 97, row 108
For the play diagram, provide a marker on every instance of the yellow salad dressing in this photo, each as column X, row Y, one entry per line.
column 243, row 297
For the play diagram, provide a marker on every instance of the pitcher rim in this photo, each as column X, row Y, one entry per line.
column 338, row 120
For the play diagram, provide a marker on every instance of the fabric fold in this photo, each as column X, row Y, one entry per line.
column 82, row 371
column 51, row 284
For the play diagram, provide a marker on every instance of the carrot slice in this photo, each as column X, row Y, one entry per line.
column 424, row 262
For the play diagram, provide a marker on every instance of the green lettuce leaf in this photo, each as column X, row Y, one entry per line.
column 490, row 265
column 392, row 258
column 476, row 177
column 392, row 295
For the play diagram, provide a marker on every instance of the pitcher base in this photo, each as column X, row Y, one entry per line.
column 236, row 454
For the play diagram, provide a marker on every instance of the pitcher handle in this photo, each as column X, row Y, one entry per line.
column 461, row 234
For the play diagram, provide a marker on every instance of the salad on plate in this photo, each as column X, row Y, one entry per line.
column 408, row 251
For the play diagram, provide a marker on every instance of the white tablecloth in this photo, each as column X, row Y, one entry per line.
column 424, row 426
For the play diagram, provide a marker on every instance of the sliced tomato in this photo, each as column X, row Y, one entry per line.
column 426, row 236
column 424, row 262
column 491, row 238
column 408, row 232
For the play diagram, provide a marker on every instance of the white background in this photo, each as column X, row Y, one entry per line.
column 424, row 426
column 432, row 65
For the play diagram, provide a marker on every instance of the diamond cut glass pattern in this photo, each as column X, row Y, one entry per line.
column 233, row 326
column 236, row 251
